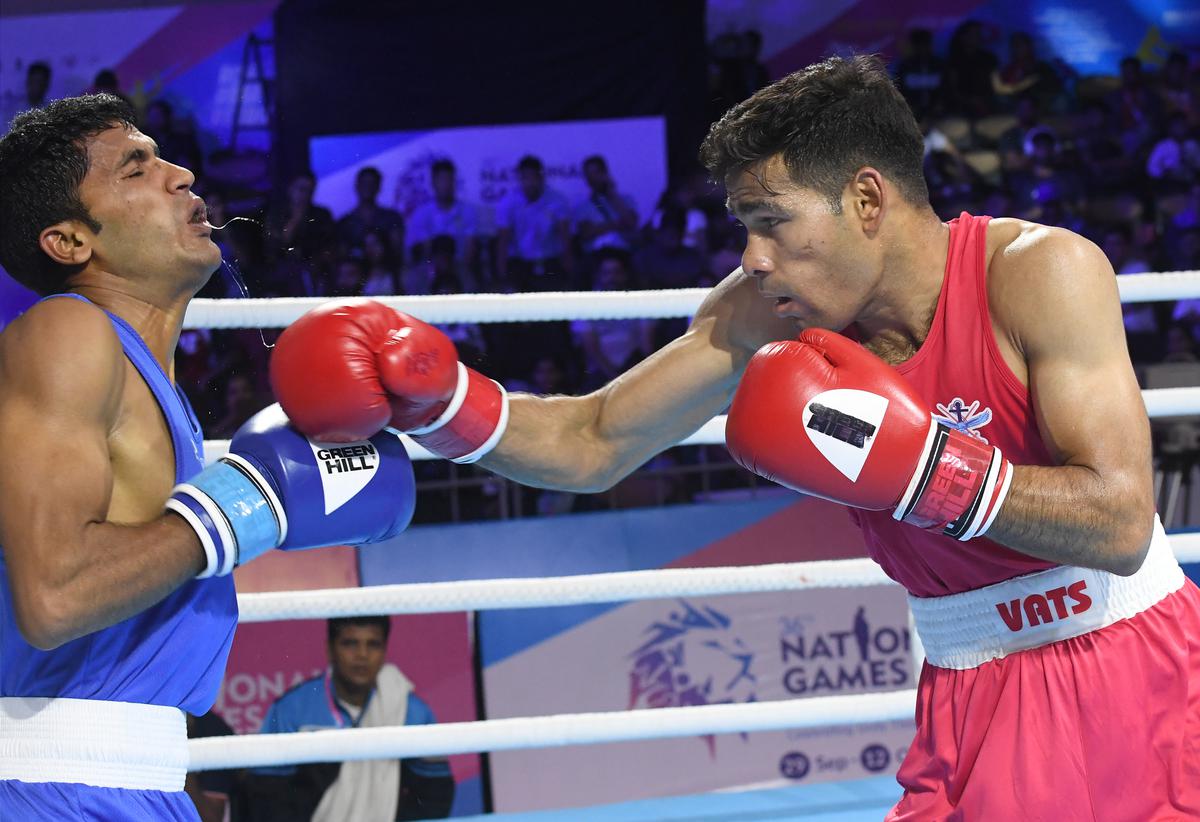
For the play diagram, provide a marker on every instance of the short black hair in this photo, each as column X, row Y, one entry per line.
column 335, row 625
column 43, row 160
column 38, row 67
column 369, row 171
column 530, row 163
column 826, row 122
column 596, row 160
column 444, row 164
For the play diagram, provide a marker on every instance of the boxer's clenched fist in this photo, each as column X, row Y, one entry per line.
column 824, row 416
column 347, row 369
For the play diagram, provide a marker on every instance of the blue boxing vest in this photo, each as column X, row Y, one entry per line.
column 173, row 653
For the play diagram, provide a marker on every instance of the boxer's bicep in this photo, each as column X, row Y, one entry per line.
column 1094, row 507
column 1086, row 398
column 60, row 379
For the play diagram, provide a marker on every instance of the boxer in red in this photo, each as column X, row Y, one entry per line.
column 981, row 419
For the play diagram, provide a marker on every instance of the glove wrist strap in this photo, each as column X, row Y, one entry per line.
column 472, row 423
column 959, row 485
column 234, row 512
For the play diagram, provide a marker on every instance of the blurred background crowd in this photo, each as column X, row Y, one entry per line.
column 1008, row 131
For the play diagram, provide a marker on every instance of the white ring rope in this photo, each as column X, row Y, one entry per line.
column 540, row 592
column 545, row 731
column 279, row 312
column 582, row 589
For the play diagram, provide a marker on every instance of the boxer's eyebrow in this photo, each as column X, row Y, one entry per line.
column 748, row 207
column 138, row 155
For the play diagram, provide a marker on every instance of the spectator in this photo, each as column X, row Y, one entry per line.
column 368, row 215
column 667, row 262
column 349, row 277
column 1179, row 92
column 611, row 347
column 1175, row 159
column 534, row 248
column 920, row 75
column 176, row 137
column 1013, row 143
column 1135, row 107
column 1024, row 75
column 242, row 400
column 37, row 88
column 969, row 69
column 1047, row 179
column 1141, row 321
column 467, row 337
column 360, row 690
column 446, row 214
column 300, row 238
column 382, row 265
column 606, row 217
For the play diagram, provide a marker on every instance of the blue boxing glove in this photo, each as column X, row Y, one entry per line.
column 277, row 489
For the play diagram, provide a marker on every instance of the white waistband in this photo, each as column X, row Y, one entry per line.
column 93, row 742
column 966, row 630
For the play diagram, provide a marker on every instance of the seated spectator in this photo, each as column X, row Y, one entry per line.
column 446, row 214
column 1141, row 319
column 1047, row 178
column 176, row 137
column 368, row 215
column 299, row 239
column 242, row 400
column 606, row 218
column 382, row 265
column 1135, row 107
column 1178, row 91
column 1175, row 159
column 612, row 347
column 359, row 690
column 667, row 262
column 1024, row 75
column 534, row 242
column 1014, row 144
column 969, row 68
column 467, row 337
column 349, row 277
column 919, row 75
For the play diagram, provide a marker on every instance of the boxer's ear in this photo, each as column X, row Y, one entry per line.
column 67, row 243
column 868, row 195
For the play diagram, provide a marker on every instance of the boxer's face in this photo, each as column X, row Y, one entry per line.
column 152, row 224
column 356, row 654
column 816, row 266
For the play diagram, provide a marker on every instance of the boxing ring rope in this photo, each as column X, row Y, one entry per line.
column 279, row 312
column 546, row 731
column 585, row 728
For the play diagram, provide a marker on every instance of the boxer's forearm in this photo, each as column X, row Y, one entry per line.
column 552, row 442
column 1072, row 515
column 112, row 573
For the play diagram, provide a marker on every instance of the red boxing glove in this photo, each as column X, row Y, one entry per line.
column 347, row 369
column 824, row 416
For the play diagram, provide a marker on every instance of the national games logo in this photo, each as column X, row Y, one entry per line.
column 692, row 658
column 962, row 417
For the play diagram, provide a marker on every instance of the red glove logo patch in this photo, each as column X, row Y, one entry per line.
column 842, row 424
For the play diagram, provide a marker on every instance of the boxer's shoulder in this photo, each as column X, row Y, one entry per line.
column 62, row 348
column 1034, row 269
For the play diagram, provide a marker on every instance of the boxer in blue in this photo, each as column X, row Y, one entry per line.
column 117, row 607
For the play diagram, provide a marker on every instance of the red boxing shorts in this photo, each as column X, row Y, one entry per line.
column 1065, row 695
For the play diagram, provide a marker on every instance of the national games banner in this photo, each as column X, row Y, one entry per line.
column 699, row 651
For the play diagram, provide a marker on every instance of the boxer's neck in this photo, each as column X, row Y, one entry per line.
column 897, row 319
column 157, row 318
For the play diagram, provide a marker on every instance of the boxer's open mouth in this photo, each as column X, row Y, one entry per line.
column 199, row 215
